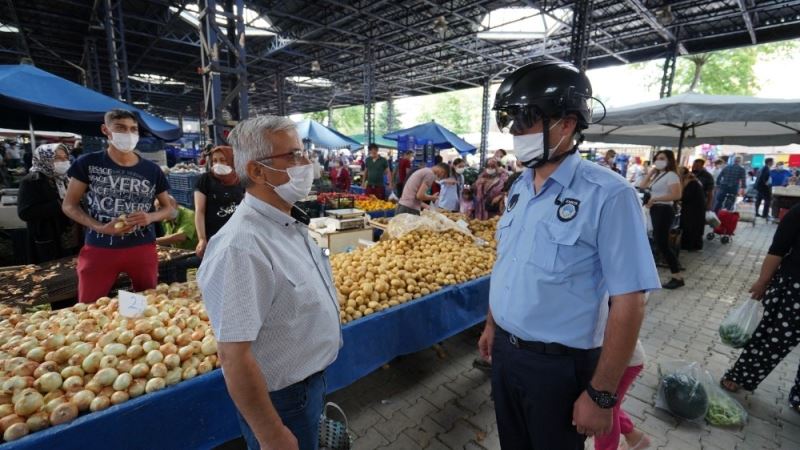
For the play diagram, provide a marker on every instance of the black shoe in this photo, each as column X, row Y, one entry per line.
column 674, row 283
column 481, row 364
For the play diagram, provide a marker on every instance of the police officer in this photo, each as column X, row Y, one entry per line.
column 573, row 265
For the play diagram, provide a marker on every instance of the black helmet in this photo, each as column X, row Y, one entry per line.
column 543, row 89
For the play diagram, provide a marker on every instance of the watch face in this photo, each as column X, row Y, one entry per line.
column 603, row 399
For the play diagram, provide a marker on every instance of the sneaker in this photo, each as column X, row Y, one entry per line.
column 674, row 283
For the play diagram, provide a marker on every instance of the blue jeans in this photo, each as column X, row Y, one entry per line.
column 300, row 407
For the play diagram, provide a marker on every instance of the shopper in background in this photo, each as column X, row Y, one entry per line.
column 706, row 179
column 499, row 155
column 340, row 176
column 116, row 183
column 489, row 190
column 571, row 241
column 376, row 171
column 794, row 180
column 665, row 189
column 51, row 234
column 764, row 188
column 777, row 334
column 719, row 164
column 693, row 211
column 607, row 161
column 217, row 193
column 636, row 171
column 270, row 295
column 779, row 175
column 179, row 229
column 732, row 181
column 467, row 206
column 404, row 170
column 415, row 193
column 450, row 187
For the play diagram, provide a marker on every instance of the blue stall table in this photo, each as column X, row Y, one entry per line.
column 199, row 414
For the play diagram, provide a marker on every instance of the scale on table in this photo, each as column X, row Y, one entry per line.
column 348, row 219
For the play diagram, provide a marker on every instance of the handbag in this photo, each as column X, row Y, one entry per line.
column 333, row 435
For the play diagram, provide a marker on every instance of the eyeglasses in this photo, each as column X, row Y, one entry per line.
column 297, row 156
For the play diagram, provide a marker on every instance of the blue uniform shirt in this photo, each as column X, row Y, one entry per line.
column 562, row 252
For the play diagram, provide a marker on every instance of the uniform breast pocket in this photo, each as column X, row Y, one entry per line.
column 554, row 246
column 502, row 235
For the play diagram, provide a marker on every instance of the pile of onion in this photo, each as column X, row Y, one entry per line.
column 55, row 365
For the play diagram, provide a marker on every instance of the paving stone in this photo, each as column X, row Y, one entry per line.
column 402, row 442
column 461, row 434
column 424, row 433
column 370, row 441
column 448, row 416
column 391, row 428
column 419, row 410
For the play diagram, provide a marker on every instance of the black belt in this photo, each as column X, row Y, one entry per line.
column 547, row 348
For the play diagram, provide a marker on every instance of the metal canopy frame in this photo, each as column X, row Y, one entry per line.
column 395, row 38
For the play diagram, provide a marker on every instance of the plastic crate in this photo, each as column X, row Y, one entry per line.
column 187, row 153
column 183, row 197
column 182, row 181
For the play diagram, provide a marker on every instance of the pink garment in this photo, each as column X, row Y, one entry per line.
column 467, row 208
column 488, row 187
column 621, row 422
column 415, row 181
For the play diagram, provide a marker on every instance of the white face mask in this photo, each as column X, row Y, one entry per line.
column 221, row 169
column 299, row 185
column 491, row 171
column 61, row 167
column 529, row 148
column 459, row 170
column 124, row 142
column 660, row 164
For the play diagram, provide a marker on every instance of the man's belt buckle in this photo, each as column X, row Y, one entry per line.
column 513, row 340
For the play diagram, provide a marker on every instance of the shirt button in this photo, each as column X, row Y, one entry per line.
column 514, row 259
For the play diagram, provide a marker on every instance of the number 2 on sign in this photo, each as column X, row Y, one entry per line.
column 131, row 305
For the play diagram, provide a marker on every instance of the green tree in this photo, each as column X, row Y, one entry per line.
column 382, row 124
column 456, row 111
column 319, row 116
column 726, row 72
column 349, row 120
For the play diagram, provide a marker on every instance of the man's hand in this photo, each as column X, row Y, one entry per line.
column 283, row 439
column 201, row 247
column 486, row 341
column 111, row 228
column 590, row 419
column 758, row 289
column 139, row 218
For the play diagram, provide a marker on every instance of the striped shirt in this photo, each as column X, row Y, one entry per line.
column 265, row 281
column 732, row 178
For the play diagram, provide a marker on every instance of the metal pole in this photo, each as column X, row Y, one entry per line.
column 680, row 141
column 122, row 55
column 369, row 80
column 33, row 134
column 279, row 84
column 390, row 114
column 581, row 29
column 668, row 75
column 485, row 121
column 111, row 43
column 330, row 116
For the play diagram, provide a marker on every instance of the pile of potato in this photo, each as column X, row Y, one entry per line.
column 55, row 365
column 396, row 271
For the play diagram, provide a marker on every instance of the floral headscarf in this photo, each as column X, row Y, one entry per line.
column 43, row 162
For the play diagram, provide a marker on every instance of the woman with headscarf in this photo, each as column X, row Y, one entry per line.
column 489, row 190
column 693, row 211
column 51, row 234
column 216, row 195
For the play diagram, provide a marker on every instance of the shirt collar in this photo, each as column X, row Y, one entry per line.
column 268, row 210
column 566, row 171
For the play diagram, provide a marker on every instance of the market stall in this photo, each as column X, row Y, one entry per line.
column 32, row 285
column 369, row 343
column 784, row 198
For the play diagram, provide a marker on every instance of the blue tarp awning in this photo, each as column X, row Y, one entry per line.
column 54, row 104
column 325, row 137
column 439, row 136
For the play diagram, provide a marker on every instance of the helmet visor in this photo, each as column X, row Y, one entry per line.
column 516, row 119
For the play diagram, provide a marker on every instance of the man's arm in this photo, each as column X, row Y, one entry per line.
column 174, row 238
column 422, row 194
column 388, row 174
column 248, row 389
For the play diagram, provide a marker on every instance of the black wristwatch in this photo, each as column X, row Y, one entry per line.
column 604, row 399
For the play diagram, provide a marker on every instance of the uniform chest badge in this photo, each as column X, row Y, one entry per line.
column 568, row 209
column 512, row 202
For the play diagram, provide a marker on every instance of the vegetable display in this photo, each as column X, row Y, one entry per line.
column 374, row 204
column 395, row 271
column 734, row 335
column 55, row 365
column 685, row 396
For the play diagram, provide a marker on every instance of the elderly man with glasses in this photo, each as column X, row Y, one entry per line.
column 269, row 292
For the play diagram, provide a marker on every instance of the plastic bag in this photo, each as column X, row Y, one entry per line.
column 393, row 197
column 736, row 330
column 682, row 390
column 402, row 224
column 723, row 410
column 712, row 219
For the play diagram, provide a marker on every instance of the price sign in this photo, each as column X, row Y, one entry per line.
column 131, row 305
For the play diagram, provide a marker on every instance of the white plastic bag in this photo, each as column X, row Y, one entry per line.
column 736, row 330
column 712, row 219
